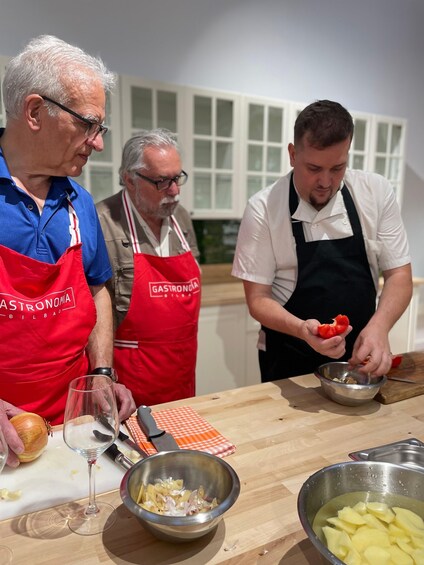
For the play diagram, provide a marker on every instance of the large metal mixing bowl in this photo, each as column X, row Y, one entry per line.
column 383, row 482
column 196, row 469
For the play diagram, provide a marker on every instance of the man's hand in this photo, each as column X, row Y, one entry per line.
column 372, row 349
column 334, row 347
column 125, row 401
column 14, row 442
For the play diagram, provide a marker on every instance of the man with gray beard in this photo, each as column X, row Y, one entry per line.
column 156, row 283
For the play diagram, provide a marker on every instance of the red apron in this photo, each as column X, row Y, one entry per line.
column 46, row 316
column 156, row 344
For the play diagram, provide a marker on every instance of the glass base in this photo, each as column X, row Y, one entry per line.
column 6, row 555
column 90, row 524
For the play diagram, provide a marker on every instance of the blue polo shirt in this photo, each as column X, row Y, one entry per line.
column 47, row 237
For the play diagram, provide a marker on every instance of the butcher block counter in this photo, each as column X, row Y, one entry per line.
column 284, row 432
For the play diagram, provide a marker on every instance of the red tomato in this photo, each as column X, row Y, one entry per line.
column 339, row 325
column 396, row 361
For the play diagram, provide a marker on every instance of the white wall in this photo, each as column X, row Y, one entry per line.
column 366, row 54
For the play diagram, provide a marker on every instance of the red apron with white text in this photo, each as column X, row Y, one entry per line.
column 156, row 344
column 46, row 316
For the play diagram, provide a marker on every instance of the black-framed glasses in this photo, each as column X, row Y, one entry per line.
column 93, row 127
column 164, row 184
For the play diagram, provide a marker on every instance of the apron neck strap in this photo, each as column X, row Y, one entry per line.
column 74, row 228
column 133, row 232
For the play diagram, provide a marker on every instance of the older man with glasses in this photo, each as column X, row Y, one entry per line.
column 156, row 284
column 55, row 310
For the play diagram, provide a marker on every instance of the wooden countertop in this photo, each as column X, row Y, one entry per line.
column 284, row 432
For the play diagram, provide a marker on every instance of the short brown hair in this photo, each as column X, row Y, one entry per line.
column 323, row 123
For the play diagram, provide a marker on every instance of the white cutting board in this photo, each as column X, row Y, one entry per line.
column 59, row 475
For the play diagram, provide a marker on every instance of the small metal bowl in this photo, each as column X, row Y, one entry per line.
column 195, row 468
column 342, row 392
column 377, row 481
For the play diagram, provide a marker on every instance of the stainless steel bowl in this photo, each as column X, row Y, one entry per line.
column 342, row 392
column 195, row 468
column 385, row 482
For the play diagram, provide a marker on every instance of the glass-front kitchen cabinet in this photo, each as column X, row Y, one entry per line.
column 264, row 137
column 100, row 174
column 211, row 142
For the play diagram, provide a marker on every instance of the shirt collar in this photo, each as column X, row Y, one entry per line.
column 305, row 212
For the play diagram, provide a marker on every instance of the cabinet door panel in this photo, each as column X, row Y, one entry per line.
column 221, row 351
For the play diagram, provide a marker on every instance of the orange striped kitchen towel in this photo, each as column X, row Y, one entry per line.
column 189, row 429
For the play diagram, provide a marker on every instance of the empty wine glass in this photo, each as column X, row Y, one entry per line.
column 5, row 552
column 90, row 426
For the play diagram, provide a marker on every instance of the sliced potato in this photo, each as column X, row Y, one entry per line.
column 368, row 537
column 350, row 515
column 342, row 525
column 376, row 555
column 400, row 557
column 381, row 511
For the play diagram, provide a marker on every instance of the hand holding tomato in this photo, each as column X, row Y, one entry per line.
column 339, row 326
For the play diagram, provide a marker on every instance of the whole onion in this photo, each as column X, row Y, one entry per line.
column 33, row 431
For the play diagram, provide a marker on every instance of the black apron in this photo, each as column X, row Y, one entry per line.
column 334, row 278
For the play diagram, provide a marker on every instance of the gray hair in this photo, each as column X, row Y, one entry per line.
column 48, row 66
column 133, row 152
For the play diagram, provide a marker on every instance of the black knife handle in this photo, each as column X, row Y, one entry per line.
column 113, row 452
column 147, row 422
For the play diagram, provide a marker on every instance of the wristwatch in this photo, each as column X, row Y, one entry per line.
column 107, row 371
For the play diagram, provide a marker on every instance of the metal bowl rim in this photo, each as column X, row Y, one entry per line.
column 196, row 519
column 348, row 386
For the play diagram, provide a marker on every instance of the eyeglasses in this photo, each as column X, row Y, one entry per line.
column 93, row 127
column 164, row 184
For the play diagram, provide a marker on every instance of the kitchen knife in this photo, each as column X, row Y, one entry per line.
column 131, row 444
column 123, row 437
column 163, row 441
column 118, row 457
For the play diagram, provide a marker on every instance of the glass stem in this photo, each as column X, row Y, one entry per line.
column 92, row 507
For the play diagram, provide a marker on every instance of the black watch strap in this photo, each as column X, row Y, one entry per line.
column 107, row 371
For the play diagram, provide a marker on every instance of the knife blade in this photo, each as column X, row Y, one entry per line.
column 131, row 444
column 118, row 457
column 402, row 380
column 163, row 441
column 123, row 437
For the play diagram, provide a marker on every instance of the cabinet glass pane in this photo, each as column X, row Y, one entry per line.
column 101, row 181
column 273, row 161
column 253, row 185
column 202, row 115
column 202, row 191
column 223, row 192
column 224, row 118
column 106, row 154
column 202, row 153
column 358, row 162
column 256, row 122
column 270, row 180
column 254, row 157
column 395, row 142
column 275, row 125
column 394, row 168
column 382, row 136
column 142, row 107
column 380, row 165
column 167, row 110
column 224, row 155
column 359, row 135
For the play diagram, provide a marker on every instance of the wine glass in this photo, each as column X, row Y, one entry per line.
column 5, row 552
column 90, row 426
